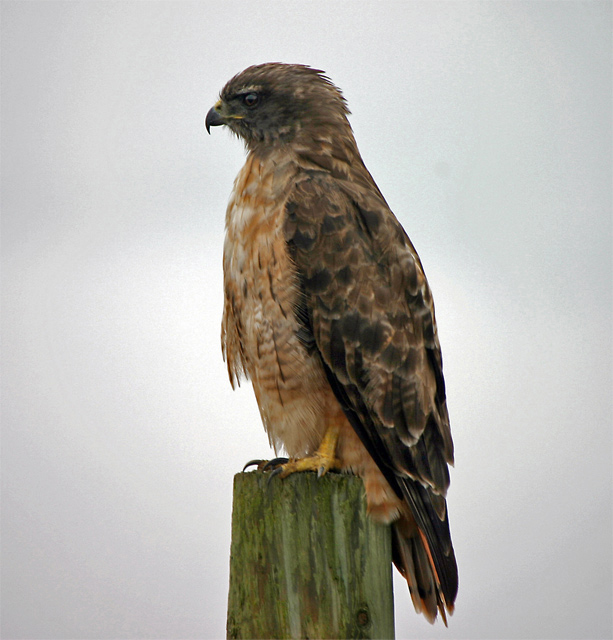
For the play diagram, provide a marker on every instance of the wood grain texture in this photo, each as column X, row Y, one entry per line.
column 306, row 561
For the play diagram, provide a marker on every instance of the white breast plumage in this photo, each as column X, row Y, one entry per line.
column 259, row 326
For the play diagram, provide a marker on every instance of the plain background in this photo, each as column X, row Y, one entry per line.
column 487, row 125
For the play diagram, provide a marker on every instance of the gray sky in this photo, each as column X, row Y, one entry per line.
column 487, row 126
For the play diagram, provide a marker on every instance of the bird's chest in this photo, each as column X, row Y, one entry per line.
column 259, row 277
column 260, row 329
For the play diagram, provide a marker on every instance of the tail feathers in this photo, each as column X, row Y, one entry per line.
column 413, row 559
column 433, row 529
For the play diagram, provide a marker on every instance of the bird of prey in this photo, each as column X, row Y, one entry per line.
column 328, row 312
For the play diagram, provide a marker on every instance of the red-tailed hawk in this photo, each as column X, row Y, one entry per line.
column 328, row 312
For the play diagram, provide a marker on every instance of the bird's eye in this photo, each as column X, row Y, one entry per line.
column 251, row 99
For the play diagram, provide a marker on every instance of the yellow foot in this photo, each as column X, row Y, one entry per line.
column 317, row 462
column 284, row 467
column 322, row 461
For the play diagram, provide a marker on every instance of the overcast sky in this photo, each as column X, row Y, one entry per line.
column 487, row 126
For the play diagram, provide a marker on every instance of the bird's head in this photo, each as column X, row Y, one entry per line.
column 272, row 104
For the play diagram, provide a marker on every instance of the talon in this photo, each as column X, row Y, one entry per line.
column 254, row 462
column 266, row 465
column 275, row 472
column 275, row 462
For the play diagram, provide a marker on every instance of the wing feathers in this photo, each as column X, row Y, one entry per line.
column 368, row 307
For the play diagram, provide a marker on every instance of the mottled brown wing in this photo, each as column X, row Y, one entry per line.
column 367, row 308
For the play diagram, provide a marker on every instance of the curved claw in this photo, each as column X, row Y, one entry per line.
column 275, row 472
column 276, row 463
column 257, row 463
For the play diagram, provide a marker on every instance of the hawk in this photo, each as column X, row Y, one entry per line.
column 328, row 312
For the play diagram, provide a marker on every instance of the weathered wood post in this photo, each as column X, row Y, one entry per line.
column 306, row 561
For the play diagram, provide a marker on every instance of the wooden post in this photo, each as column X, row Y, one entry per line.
column 306, row 561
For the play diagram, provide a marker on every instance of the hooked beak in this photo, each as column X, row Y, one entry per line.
column 214, row 118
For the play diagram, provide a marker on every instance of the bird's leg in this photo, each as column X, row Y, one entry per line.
column 321, row 461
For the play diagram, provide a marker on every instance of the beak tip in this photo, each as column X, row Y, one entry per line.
column 213, row 119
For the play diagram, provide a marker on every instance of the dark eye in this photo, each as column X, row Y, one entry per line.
column 251, row 99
